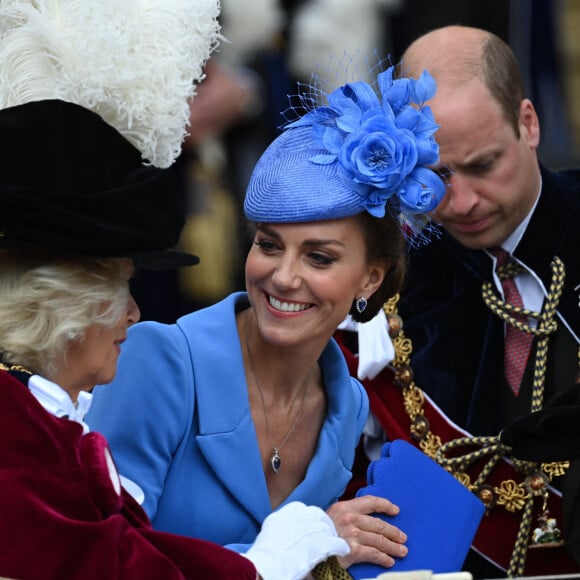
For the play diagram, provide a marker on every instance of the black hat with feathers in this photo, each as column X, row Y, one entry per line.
column 94, row 104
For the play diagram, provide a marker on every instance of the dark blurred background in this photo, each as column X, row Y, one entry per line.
column 276, row 43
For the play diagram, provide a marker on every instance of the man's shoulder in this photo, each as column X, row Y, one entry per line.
column 558, row 212
column 564, row 184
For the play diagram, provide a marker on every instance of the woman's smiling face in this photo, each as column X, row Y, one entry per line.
column 302, row 278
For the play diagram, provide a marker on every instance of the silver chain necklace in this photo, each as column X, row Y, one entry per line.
column 275, row 459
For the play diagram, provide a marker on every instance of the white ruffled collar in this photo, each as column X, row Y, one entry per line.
column 57, row 401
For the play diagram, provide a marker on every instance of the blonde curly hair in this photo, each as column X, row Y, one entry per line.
column 48, row 302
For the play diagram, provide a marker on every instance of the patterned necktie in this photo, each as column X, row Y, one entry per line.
column 517, row 342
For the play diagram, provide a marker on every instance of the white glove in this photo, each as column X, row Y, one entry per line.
column 293, row 540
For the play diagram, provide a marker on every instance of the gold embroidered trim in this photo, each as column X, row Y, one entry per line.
column 18, row 368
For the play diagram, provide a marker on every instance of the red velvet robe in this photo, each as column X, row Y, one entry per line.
column 63, row 514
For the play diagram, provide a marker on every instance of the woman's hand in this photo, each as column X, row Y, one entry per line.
column 370, row 538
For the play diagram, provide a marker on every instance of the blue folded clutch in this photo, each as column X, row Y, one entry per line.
column 439, row 515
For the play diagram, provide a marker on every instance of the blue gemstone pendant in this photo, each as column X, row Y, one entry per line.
column 275, row 461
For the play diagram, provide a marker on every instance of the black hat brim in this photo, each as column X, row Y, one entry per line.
column 164, row 260
column 71, row 184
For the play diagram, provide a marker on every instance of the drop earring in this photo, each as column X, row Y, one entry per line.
column 361, row 304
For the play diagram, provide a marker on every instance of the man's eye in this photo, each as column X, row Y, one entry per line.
column 482, row 166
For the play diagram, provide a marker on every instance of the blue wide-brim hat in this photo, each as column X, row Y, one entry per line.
column 361, row 151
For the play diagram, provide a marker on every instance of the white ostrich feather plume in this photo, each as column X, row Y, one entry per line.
column 134, row 62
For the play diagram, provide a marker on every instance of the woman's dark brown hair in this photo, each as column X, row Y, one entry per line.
column 384, row 243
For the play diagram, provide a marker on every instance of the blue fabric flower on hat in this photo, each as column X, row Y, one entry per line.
column 382, row 145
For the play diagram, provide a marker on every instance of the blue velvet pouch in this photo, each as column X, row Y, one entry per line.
column 439, row 515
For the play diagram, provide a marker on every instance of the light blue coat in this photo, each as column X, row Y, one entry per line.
column 178, row 420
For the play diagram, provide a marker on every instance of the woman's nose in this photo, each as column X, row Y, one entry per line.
column 287, row 273
column 133, row 312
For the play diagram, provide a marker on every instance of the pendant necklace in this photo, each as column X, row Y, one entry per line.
column 275, row 459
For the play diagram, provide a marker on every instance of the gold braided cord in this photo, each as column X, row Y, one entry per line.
column 489, row 447
column 509, row 494
column 518, row 560
column 330, row 569
column 546, row 320
column 539, row 374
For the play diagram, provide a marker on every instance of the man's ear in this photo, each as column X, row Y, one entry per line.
column 529, row 123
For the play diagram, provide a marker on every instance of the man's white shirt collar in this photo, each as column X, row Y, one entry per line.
column 512, row 241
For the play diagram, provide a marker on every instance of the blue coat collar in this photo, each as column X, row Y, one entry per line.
column 226, row 435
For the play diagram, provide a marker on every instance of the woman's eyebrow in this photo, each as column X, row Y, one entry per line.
column 310, row 242
column 323, row 242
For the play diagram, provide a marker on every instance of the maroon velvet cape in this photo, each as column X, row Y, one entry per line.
column 61, row 516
